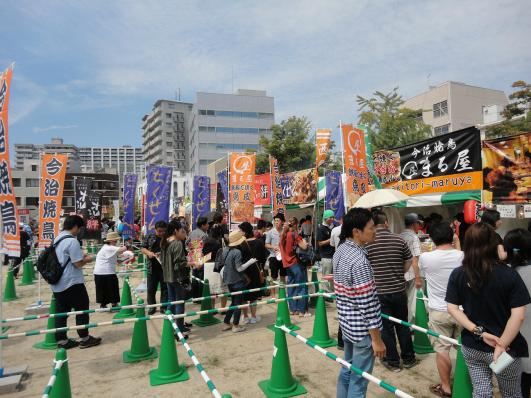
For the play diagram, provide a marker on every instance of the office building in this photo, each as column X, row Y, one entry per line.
column 223, row 123
column 25, row 152
column 26, row 184
column 453, row 106
column 165, row 134
column 123, row 160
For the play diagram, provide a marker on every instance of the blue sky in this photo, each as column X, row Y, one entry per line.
column 87, row 71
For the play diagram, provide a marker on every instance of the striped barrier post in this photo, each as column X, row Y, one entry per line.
column 60, row 378
column 422, row 330
column 146, row 306
column 347, row 365
column 197, row 364
column 149, row 318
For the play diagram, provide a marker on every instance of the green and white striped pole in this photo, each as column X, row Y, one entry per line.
column 422, row 330
column 197, row 364
column 146, row 306
column 150, row 317
column 347, row 365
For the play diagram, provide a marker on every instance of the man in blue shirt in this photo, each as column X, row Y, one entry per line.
column 70, row 291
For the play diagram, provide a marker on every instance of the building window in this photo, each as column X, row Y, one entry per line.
column 16, row 182
column 32, row 182
column 171, row 106
column 30, row 201
column 169, row 135
column 33, row 167
column 168, row 115
column 440, row 109
column 442, row 129
column 169, row 144
column 18, row 201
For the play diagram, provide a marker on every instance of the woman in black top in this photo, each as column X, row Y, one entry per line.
column 253, row 248
column 493, row 297
column 211, row 245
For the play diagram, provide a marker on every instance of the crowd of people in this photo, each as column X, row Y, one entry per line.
column 478, row 285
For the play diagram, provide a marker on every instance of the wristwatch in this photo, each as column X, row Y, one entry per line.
column 478, row 331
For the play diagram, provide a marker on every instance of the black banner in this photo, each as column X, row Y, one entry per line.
column 92, row 216
column 83, row 186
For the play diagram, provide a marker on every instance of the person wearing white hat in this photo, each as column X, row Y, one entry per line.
column 233, row 275
column 107, row 290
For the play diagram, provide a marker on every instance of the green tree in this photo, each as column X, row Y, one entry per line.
column 290, row 144
column 519, row 105
column 391, row 125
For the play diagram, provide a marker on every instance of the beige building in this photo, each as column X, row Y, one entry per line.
column 453, row 106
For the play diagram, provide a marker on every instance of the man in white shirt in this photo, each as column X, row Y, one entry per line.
column 413, row 278
column 437, row 266
column 334, row 235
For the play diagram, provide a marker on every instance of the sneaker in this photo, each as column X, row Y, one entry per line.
column 90, row 342
column 226, row 327
column 70, row 343
column 247, row 321
column 237, row 329
column 392, row 368
column 152, row 311
column 189, row 325
column 410, row 364
column 258, row 318
column 306, row 315
column 341, row 348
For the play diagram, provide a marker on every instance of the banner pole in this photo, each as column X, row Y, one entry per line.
column 343, row 176
column 229, row 218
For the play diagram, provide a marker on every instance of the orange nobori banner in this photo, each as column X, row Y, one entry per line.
column 241, row 186
column 322, row 145
column 53, row 171
column 356, row 171
column 8, row 204
column 276, row 187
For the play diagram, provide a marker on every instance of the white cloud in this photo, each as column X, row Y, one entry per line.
column 313, row 56
column 54, row 127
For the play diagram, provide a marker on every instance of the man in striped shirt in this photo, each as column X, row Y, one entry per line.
column 357, row 302
column 390, row 258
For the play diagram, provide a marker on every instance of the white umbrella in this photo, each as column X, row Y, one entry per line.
column 381, row 197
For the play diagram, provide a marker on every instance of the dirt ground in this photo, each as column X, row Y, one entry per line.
column 234, row 362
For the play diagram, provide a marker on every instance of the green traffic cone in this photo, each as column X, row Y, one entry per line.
column 462, row 387
column 206, row 304
column 61, row 388
column 49, row 343
column 282, row 383
column 33, row 272
column 125, row 300
column 10, row 292
column 27, row 277
column 169, row 370
column 140, row 349
column 421, row 342
column 320, row 335
column 315, row 280
column 283, row 311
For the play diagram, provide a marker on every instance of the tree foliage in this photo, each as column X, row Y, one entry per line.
column 520, row 105
column 290, row 144
column 389, row 124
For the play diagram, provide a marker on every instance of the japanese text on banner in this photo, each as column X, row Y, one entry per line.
column 355, row 158
column 241, row 186
column 276, row 187
column 53, row 171
column 8, row 205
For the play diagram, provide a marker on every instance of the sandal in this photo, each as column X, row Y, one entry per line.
column 437, row 390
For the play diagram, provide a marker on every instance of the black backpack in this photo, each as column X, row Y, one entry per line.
column 49, row 265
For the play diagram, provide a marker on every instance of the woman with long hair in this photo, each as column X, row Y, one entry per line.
column 253, row 248
column 493, row 218
column 289, row 240
column 493, row 297
column 517, row 244
column 175, row 269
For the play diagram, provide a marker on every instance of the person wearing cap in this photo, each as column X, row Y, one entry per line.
column 326, row 250
column 107, row 290
column 233, row 275
column 413, row 278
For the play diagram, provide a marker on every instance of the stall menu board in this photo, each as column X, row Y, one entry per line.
column 446, row 163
